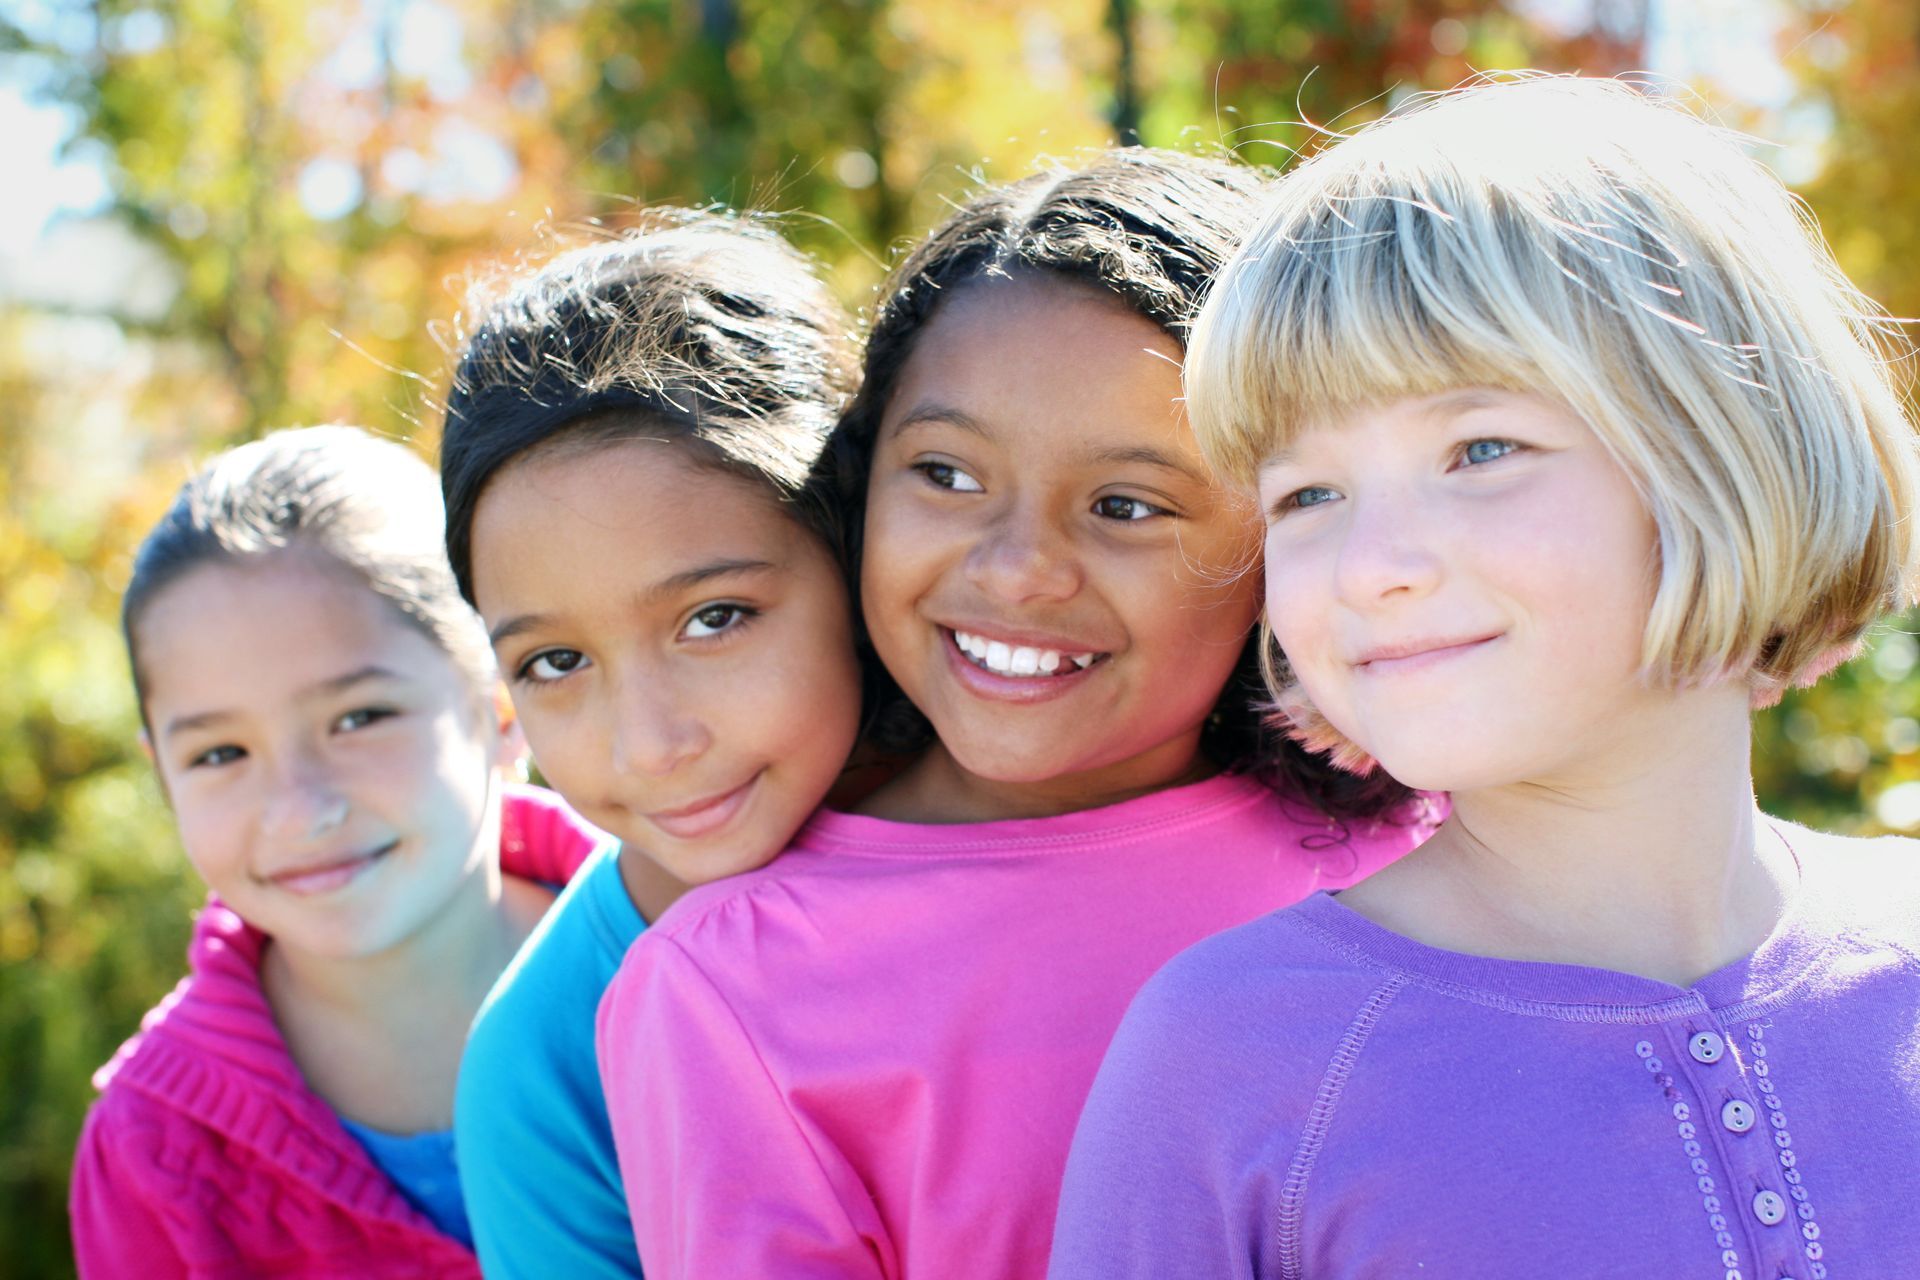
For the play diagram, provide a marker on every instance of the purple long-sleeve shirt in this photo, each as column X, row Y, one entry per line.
column 1313, row 1096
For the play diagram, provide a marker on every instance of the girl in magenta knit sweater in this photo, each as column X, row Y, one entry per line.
column 320, row 707
column 865, row 1059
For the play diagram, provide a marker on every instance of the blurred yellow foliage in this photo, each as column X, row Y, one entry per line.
column 319, row 184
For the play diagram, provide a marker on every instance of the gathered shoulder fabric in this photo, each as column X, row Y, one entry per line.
column 207, row 1155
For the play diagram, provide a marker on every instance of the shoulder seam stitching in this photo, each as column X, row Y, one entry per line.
column 1292, row 1211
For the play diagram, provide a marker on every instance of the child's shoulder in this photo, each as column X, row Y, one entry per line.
column 1873, row 882
column 1227, row 1047
column 1227, row 996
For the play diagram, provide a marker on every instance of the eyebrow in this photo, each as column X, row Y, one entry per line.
column 685, row 580
column 706, row 573
column 925, row 415
column 325, row 688
column 1148, row 456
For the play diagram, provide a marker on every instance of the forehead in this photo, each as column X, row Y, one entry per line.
column 1046, row 361
column 231, row 636
column 594, row 527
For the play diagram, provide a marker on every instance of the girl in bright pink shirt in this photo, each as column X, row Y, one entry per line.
column 866, row 1058
column 320, row 707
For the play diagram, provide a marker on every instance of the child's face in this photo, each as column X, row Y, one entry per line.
column 1049, row 573
column 331, row 768
column 1461, row 583
column 679, row 650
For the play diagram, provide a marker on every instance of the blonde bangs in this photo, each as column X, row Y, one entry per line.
column 1576, row 239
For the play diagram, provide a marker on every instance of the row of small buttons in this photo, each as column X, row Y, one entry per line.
column 1737, row 1115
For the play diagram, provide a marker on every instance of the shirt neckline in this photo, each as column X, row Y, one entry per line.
column 1743, row 988
column 1142, row 816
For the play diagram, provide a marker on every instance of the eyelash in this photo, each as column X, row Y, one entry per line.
column 741, row 616
column 524, row 674
column 1291, row 501
column 929, row 468
column 206, row 759
column 1151, row 509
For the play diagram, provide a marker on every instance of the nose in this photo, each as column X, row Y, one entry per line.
column 305, row 803
column 1024, row 556
column 1390, row 551
column 655, row 728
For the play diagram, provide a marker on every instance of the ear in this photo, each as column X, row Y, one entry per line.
column 510, row 747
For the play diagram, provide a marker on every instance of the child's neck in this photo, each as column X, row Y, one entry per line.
column 380, row 1036
column 1655, row 863
column 938, row 790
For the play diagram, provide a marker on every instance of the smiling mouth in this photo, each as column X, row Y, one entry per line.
column 1391, row 660
column 704, row 816
column 327, row 876
column 1021, row 662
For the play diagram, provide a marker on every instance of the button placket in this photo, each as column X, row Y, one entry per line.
column 1787, row 1214
column 1695, row 1146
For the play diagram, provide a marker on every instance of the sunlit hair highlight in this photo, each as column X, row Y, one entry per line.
column 1582, row 240
column 353, row 501
column 692, row 326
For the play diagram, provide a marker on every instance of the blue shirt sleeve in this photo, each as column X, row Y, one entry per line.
column 537, row 1162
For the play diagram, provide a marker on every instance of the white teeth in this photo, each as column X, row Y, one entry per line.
column 1006, row 659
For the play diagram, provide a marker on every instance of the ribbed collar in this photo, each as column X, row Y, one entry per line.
column 212, row 1052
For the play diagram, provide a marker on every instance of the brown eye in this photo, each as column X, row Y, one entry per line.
column 716, row 618
column 1120, row 508
column 551, row 664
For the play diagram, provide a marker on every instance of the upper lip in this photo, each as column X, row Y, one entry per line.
column 1413, row 648
column 328, row 862
column 1025, row 639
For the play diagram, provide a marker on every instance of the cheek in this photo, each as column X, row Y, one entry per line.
column 1292, row 611
column 208, row 834
column 906, row 543
column 562, row 740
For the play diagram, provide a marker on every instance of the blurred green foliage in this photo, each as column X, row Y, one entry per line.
column 319, row 184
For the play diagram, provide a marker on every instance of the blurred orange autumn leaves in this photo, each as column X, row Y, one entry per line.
column 300, row 193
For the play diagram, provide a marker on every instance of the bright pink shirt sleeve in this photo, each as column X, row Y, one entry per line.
column 762, row 1196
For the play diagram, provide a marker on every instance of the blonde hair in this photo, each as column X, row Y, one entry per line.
column 1581, row 240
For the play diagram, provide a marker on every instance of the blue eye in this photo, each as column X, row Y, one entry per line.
column 716, row 619
column 1476, row 452
column 550, row 665
column 1127, row 509
column 1313, row 495
column 944, row 475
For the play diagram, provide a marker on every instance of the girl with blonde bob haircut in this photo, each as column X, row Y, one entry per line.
column 1573, row 444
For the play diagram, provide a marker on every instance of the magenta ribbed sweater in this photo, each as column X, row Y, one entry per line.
column 207, row 1155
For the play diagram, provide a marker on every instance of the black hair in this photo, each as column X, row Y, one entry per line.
column 695, row 326
column 1146, row 226
column 368, row 505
